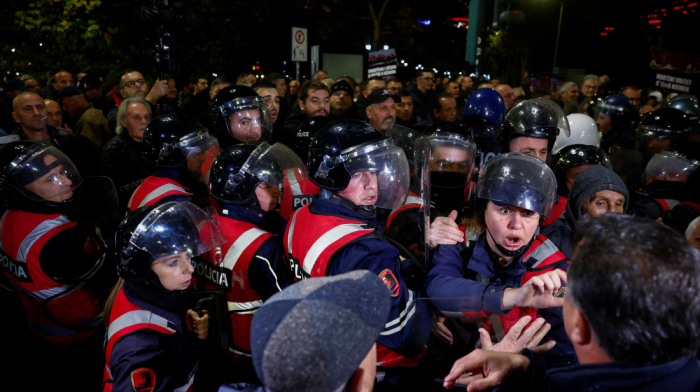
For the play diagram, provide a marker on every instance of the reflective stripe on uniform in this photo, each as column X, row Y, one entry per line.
column 135, row 317
column 159, row 191
column 245, row 307
column 409, row 311
column 238, row 247
column 328, row 238
column 293, row 183
column 185, row 387
column 239, row 352
column 541, row 253
column 43, row 228
column 291, row 232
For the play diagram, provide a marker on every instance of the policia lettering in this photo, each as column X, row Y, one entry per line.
column 210, row 273
column 18, row 269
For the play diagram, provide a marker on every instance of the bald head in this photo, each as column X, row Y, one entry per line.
column 507, row 93
column 30, row 112
column 54, row 112
column 63, row 79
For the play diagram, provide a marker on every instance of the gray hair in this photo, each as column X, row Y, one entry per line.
column 567, row 86
column 590, row 77
column 121, row 114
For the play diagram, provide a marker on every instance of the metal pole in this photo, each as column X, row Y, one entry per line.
column 298, row 72
column 556, row 46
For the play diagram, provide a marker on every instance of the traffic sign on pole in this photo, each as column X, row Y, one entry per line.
column 299, row 44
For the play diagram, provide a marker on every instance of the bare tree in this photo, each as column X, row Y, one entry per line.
column 377, row 20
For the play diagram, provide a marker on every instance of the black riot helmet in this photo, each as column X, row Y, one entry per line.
column 540, row 118
column 448, row 127
column 662, row 129
column 485, row 134
column 576, row 155
column 237, row 172
column 35, row 174
column 345, row 147
column 151, row 232
column 686, row 103
column 306, row 131
column 671, row 175
column 171, row 140
column 241, row 112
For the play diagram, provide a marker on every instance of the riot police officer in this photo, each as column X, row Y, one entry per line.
column 240, row 115
column 614, row 116
column 483, row 113
column 358, row 170
column 247, row 181
column 670, row 178
column 660, row 130
column 444, row 159
column 515, row 192
column 53, row 260
column 149, row 344
column 182, row 150
column 532, row 126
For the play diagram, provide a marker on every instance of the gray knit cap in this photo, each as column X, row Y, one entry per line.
column 594, row 179
column 313, row 335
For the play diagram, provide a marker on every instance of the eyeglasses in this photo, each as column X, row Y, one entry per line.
column 131, row 84
column 428, row 78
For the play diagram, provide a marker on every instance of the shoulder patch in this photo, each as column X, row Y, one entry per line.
column 391, row 282
column 143, row 380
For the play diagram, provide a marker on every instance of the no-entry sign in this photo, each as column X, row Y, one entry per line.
column 299, row 44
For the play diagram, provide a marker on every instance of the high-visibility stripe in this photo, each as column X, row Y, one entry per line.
column 291, row 231
column 135, row 317
column 43, row 228
column 244, row 307
column 238, row 247
column 409, row 311
column 293, row 183
column 161, row 190
column 239, row 352
column 272, row 271
column 328, row 238
column 44, row 294
column 542, row 252
column 187, row 386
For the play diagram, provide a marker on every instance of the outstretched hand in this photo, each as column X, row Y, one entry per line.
column 444, row 231
column 519, row 338
column 496, row 368
column 538, row 292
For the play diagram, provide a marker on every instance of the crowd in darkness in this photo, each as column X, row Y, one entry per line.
column 562, row 223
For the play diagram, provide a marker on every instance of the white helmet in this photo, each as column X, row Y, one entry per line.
column 583, row 131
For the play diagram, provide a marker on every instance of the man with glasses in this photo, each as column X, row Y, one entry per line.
column 394, row 86
column 423, row 95
column 134, row 85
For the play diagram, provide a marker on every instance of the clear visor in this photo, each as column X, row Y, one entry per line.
column 519, row 180
column 200, row 150
column 379, row 174
column 536, row 115
column 270, row 164
column 248, row 119
column 404, row 138
column 173, row 228
column 669, row 166
column 45, row 173
column 451, row 160
column 605, row 110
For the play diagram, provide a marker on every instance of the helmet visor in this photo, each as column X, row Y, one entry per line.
column 173, row 228
column 519, row 180
column 199, row 149
column 404, row 138
column 379, row 174
column 669, row 166
column 270, row 164
column 579, row 155
column 248, row 119
column 604, row 110
column 538, row 117
column 45, row 174
column 451, row 160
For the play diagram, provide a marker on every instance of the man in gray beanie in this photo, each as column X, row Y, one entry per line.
column 319, row 335
column 595, row 191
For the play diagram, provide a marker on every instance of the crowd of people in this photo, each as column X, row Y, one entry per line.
column 335, row 234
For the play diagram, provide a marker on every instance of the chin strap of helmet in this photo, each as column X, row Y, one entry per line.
column 365, row 211
column 512, row 253
column 254, row 204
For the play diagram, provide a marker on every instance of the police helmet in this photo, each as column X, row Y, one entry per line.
column 577, row 155
column 224, row 95
column 344, row 147
column 663, row 124
column 24, row 163
column 485, row 103
column 156, row 231
column 169, row 140
column 583, row 131
column 620, row 110
column 243, row 114
column 306, row 131
column 540, row 118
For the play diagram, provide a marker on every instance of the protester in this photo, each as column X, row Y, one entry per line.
column 90, row 124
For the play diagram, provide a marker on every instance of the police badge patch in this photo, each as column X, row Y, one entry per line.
column 143, row 380
column 391, row 282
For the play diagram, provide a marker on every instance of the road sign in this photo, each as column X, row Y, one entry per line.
column 299, row 44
